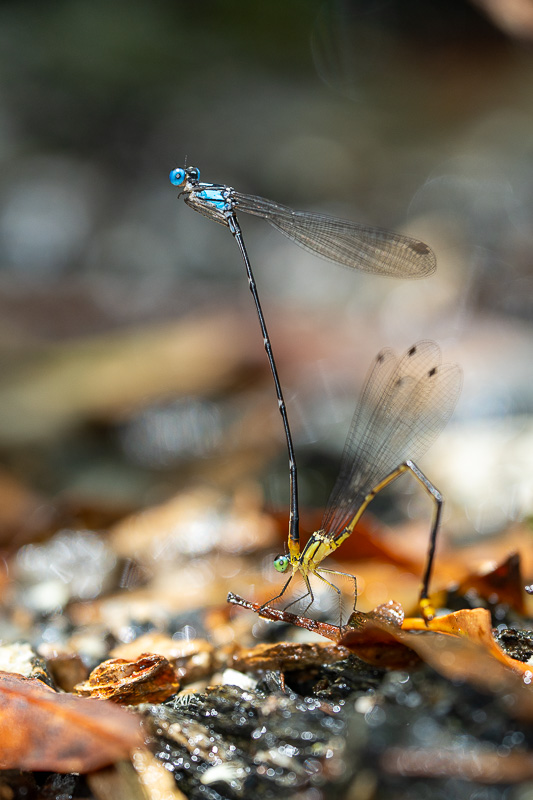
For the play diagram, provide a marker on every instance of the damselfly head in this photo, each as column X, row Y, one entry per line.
column 281, row 563
column 177, row 176
column 180, row 176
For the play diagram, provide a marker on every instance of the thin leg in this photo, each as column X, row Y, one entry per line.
column 268, row 602
column 294, row 523
column 345, row 575
column 308, row 592
column 337, row 572
column 425, row 606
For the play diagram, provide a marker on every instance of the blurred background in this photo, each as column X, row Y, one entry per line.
column 132, row 362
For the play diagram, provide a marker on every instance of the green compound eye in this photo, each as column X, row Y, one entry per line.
column 281, row 563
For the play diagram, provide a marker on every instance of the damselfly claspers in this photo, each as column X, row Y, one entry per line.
column 341, row 241
column 404, row 405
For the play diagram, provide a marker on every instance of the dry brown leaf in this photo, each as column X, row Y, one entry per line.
column 474, row 624
column 287, row 656
column 462, row 649
column 43, row 730
column 67, row 669
column 148, row 679
column 503, row 584
column 375, row 640
column 191, row 659
column 460, row 564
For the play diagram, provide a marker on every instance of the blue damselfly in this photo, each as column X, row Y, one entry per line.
column 341, row 241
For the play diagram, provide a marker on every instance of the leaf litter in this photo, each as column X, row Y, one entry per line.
column 201, row 699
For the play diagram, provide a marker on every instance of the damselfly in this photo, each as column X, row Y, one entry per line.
column 343, row 242
column 404, row 405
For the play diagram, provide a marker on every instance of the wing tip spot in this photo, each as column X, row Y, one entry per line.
column 421, row 248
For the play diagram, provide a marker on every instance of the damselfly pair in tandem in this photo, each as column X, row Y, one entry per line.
column 405, row 402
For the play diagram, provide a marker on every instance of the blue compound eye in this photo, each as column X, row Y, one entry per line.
column 177, row 176
column 281, row 563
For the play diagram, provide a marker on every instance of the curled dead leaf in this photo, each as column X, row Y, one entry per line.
column 148, row 679
column 474, row 624
column 502, row 584
column 191, row 659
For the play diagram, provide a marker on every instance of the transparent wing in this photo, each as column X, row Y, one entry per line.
column 405, row 404
column 343, row 242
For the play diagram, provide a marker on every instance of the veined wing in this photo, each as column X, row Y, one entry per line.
column 343, row 242
column 405, row 404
